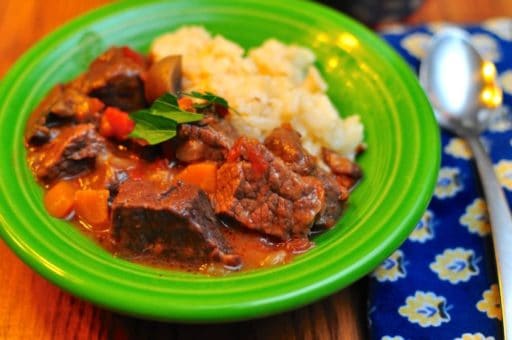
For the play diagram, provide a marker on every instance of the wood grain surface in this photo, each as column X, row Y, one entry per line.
column 32, row 308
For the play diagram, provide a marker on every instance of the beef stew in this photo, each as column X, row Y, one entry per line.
column 202, row 198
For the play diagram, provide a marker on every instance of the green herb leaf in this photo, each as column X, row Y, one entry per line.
column 159, row 123
column 166, row 102
column 167, row 106
column 151, row 135
column 152, row 128
column 210, row 99
column 147, row 118
column 179, row 117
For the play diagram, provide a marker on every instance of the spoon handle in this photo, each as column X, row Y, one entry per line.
column 501, row 225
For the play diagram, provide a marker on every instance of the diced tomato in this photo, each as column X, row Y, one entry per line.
column 133, row 55
column 185, row 103
column 259, row 164
column 234, row 152
column 116, row 123
column 250, row 152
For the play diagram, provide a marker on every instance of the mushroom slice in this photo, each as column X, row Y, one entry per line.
column 164, row 76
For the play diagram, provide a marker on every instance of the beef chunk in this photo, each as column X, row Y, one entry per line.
column 335, row 199
column 64, row 106
column 115, row 78
column 40, row 135
column 178, row 223
column 285, row 143
column 345, row 174
column 68, row 103
column 123, row 92
column 210, row 139
column 260, row 192
column 341, row 165
column 72, row 152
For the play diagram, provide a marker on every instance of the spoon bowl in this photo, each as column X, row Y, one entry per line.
column 464, row 93
column 459, row 83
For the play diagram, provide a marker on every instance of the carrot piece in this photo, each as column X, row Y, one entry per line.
column 203, row 174
column 92, row 206
column 58, row 200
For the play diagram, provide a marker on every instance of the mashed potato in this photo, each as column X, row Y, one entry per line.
column 270, row 85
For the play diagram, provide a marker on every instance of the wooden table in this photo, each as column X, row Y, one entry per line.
column 33, row 308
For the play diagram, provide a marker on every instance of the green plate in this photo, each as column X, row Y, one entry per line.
column 365, row 77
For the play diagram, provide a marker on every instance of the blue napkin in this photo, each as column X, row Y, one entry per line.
column 441, row 283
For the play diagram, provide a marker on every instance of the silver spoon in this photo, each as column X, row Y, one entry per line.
column 463, row 90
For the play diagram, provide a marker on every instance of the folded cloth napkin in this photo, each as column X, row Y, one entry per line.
column 441, row 283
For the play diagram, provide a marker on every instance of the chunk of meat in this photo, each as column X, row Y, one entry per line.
column 341, row 165
column 72, row 152
column 123, row 92
column 70, row 104
column 39, row 135
column 270, row 199
column 115, row 77
column 65, row 105
column 210, row 139
column 178, row 223
column 285, row 143
column 335, row 199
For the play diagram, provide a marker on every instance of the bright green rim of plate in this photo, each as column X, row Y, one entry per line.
column 400, row 164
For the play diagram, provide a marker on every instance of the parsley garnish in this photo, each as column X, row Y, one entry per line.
column 159, row 123
column 209, row 99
